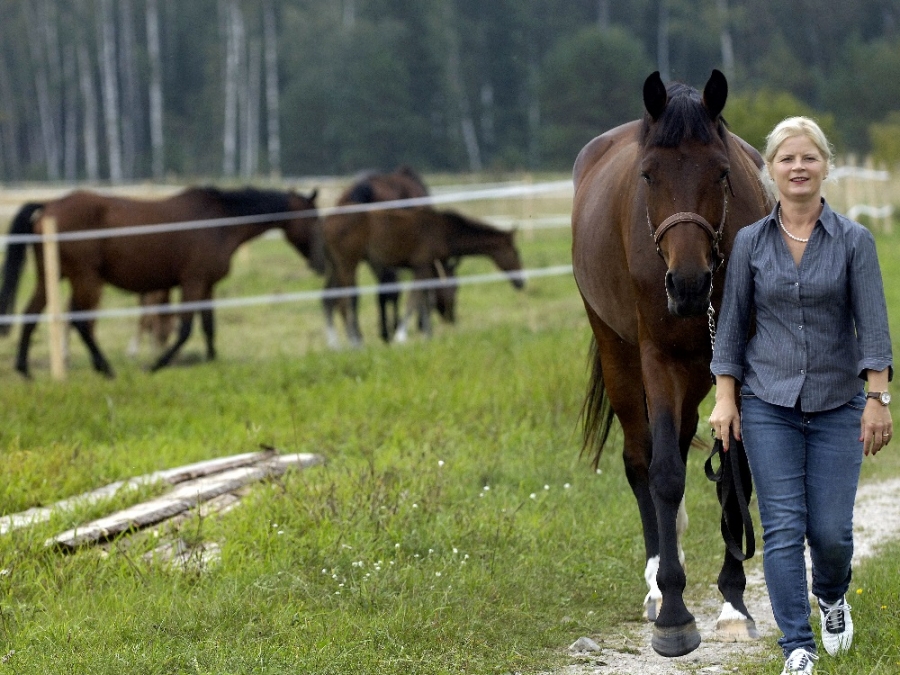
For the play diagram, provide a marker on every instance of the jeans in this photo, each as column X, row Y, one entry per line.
column 805, row 470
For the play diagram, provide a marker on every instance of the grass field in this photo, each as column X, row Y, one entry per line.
column 453, row 529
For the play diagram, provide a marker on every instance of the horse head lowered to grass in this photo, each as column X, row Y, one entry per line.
column 412, row 238
column 191, row 258
column 657, row 204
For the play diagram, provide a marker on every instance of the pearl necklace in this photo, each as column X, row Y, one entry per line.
column 784, row 229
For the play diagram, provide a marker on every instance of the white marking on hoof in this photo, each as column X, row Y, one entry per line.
column 331, row 338
column 653, row 599
column 401, row 335
column 734, row 626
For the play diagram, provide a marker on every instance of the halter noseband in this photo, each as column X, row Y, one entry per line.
column 715, row 235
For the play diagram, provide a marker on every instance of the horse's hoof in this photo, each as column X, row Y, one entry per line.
column 675, row 640
column 736, row 630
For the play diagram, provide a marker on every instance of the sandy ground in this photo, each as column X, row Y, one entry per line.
column 628, row 651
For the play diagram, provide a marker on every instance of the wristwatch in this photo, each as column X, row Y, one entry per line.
column 884, row 397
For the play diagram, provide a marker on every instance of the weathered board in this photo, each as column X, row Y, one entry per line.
column 184, row 496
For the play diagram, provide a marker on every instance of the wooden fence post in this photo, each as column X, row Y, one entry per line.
column 50, row 244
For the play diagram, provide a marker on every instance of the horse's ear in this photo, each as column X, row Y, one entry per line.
column 715, row 93
column 655, row 96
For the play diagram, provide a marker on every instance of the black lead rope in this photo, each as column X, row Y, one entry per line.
column 730, row 478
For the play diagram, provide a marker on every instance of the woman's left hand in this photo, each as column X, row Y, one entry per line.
column 876, row 427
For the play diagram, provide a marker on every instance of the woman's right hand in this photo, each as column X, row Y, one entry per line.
column 725, row 416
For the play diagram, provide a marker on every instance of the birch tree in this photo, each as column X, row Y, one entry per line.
column 157, row 141
column 725, row 39
column 110, row 87
column 273, row 123
column 131, row 109
column 233, row 36
column 37, row 30
column 89, row 117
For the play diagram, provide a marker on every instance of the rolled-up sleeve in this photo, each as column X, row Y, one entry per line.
column 869, row 306
column 734, row 318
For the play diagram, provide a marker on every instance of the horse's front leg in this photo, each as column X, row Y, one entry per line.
column 675, row 631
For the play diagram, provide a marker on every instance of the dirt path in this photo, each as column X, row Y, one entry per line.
column 628, row 652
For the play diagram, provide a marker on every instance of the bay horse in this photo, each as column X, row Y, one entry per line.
column 412, row 238
column 401, row 183
column 657, row 204
column 192, row 259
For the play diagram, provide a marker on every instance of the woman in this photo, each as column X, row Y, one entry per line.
column 803, row 327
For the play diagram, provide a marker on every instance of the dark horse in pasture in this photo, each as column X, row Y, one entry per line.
column 402, row 183
column 657, row 204
column 193, row 259
column 412, row 238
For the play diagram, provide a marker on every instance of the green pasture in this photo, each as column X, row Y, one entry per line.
column 453, row 529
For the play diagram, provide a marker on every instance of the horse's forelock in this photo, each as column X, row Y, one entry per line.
column 683, row 118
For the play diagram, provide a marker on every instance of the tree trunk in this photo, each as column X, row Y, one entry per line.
column 156, row 99
column 110, row 89
column 603, row 14
column 250, row 158
column 89, row 99
column 49, row 138
column 9, row 126
column 132, row 110
column 70, row 106
column 458, row 93
column 662, row 40
column 725, row 39
column 273, row 126
column 232, row 72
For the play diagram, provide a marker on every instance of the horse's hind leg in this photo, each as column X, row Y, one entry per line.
column 85, row 297
column 184, row 332
column 208, row 322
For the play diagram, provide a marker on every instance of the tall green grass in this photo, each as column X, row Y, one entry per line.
column 454, row 527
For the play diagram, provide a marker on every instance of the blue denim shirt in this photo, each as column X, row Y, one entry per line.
column 819, row 325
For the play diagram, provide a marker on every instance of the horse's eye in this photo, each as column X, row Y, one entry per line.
column 645, row 176
column 725, row 174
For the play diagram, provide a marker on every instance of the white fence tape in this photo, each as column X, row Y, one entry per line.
column 509, row 191
column 279, row 298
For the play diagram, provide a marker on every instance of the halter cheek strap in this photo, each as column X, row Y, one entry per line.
column 691, row 217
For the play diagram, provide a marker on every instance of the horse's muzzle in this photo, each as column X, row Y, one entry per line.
column 688, row 295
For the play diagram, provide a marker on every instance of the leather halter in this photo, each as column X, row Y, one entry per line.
column 715, row 235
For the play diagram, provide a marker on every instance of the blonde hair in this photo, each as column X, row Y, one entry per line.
column 789, row 128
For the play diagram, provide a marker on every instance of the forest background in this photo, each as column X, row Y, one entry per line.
column 127, row 90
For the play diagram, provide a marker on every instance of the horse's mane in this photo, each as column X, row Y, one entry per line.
column 247, row 201
column 470, row 223
column 684, row 117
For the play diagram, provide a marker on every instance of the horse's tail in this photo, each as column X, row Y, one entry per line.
column 596, row 411
column 15, row 260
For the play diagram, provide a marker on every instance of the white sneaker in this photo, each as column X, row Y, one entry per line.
column 837, row 626
column 800, row 661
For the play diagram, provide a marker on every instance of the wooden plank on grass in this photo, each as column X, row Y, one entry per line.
column 172, row 476
column 184, row 496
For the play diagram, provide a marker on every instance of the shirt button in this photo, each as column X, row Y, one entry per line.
column 800, row 327
column 802, row 372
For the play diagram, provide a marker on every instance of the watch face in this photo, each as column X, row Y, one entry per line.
column 885, row 398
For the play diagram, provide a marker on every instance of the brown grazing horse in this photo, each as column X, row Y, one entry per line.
column 193, row 259
column 657, row 204
column 411, row 238
column 402, row 183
